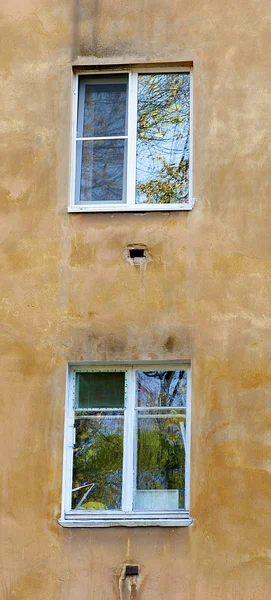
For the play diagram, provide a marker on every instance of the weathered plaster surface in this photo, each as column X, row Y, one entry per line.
column 68, row 294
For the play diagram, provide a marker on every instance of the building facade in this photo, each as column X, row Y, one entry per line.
column 195, row 298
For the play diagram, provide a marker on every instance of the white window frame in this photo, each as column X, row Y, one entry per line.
column 126, row 517
column 130, row 205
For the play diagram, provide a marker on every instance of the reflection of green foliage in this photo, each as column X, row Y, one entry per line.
column 98, row 455
column 161, row 459
column 98, row 460
column 163, row 126
column 93, row 506
column 161, row 452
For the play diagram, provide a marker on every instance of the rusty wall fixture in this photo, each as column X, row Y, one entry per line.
column 129, row 582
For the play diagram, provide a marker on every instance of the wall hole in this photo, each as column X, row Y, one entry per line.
column 131, row 570
column 137, row 254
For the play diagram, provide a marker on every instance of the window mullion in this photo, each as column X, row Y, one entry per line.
column 132, row 132
column 128, row 454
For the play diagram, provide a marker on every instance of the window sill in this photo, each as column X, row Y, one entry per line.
column 129, row 208
column 183, row 521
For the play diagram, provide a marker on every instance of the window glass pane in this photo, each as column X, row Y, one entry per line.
column 97, row 462
column 101, row 171
column 100, row 390
column 160, row 462
column 161, row 388
column 104, row 109
column 163, row 138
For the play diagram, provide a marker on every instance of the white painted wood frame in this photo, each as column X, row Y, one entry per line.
column 130, row 204
column 127, row 516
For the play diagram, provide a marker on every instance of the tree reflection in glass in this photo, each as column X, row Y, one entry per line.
column 162, row 173
column 102, row 171
column 101, row 161
column 98, row 448
column 161, row 412
column 97, row 461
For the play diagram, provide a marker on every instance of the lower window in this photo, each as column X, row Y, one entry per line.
column 127, row 445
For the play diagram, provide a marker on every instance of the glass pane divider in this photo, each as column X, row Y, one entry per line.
column 104, row 416
column 161, row 416
column 108, row 137
column 99, row 409
column 168, row 408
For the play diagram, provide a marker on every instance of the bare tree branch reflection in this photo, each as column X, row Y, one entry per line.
column 163, row 138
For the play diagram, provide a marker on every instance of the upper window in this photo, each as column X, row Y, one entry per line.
column 127, row 446
column 132, row 141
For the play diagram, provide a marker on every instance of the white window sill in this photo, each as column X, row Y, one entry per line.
column 183, row 521
column 79, row 208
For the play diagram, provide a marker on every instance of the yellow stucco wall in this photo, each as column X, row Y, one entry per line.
column 68, row 294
